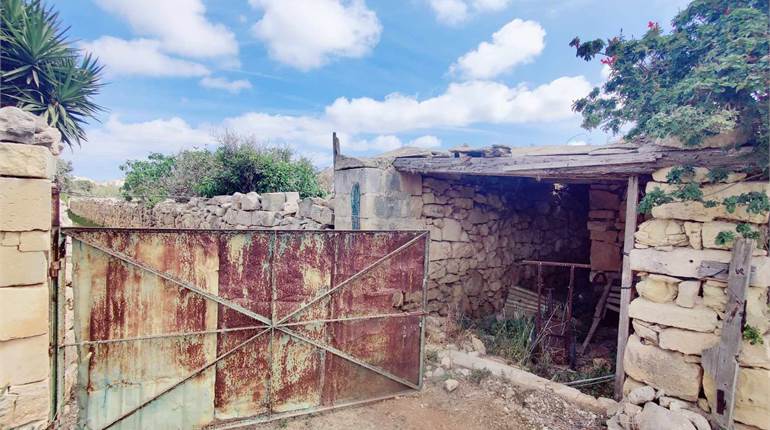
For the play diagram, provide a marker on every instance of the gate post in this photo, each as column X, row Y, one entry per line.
column 27, row 168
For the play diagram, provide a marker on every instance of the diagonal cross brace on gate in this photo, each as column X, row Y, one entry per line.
column 270, row 324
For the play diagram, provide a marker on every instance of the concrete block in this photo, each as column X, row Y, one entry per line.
column 28, row 161
column 25, row 204
column 23, row 312
column 21, row 268
column 24, row 360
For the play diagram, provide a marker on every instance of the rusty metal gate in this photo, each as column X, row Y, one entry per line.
column 211, row 328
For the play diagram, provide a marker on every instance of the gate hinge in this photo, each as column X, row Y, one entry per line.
column 53, row 270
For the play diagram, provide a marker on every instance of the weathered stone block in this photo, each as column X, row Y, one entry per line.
column 684, row 262
column 605, row 256
column 24, row 406
column 600, row 199
column 687, row 294
column 23, row 312
column 712, row 229
column 658, row 288
column 250, row 201
column 24, row 360
column 646, row 331
column 686, row 341
column 322, row 215
column 273, row 201
column 292, row 196
column 27, row 161
column 604, row 236
column 25, row 204
column 411, row 183
column 21, row 268
column 440, row 250
column 654, row 417
column 665, row 370
column 17, row 125
column 452, row 230
column 757, row 311
column 699, row 318
column 262, row 218
column 693, row 232
column 757, row 355
column 35, row 241
column 9, row 238
column 661, row 232
column 752, row 402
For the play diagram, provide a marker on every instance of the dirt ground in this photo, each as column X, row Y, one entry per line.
column 490, row 405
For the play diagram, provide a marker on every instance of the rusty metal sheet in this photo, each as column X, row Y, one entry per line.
column 195, row 328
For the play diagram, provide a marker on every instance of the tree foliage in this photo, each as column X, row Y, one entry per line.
column 709, row 74
column 41, row 72
column 238, row 164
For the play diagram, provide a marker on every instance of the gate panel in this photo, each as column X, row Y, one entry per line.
column 121, row 301
column 242, row 380
column 191, row 328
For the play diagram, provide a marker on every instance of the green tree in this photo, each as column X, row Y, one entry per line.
column 145, row 179
column 709, row 74
column 41, row 72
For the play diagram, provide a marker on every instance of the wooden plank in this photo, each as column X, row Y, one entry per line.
column 721, row 361
column 718, row 271
column 646, row 160
column 626, row 279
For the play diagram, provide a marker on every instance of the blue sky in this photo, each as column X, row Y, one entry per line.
column 382, row 74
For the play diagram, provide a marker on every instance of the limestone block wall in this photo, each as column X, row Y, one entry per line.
column 26, row 171
column 606, row 223
column 238, row 211
column 677, row 315
column 479, row 228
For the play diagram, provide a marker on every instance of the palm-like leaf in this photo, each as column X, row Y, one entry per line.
column 42, row 73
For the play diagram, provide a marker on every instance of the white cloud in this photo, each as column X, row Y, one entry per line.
column 462, row 104
column 140, row 57
column 453, row 12
column 450, row 12
column 427, row 141
column 217, row 83
column 117, row 141
column 577, row 143
column 307, row 34
column 517, row 42
column 180, row 26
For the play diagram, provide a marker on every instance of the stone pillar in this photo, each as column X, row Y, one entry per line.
column 678, row 314
column 27, row 166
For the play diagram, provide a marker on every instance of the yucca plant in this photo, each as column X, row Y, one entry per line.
column 41, row 72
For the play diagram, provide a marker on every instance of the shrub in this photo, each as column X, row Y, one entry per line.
column 238, row 164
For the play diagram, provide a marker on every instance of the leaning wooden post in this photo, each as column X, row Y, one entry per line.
column 720, row 362
column 335, row 150
column 626, row 280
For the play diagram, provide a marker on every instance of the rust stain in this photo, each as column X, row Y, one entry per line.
column 271, row 273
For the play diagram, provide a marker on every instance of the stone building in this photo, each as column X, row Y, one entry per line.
column 488, row 210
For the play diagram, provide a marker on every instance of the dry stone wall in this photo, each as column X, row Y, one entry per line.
column 479, row 228
column 238, row 211
column 677, row 315
column 27, row 165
